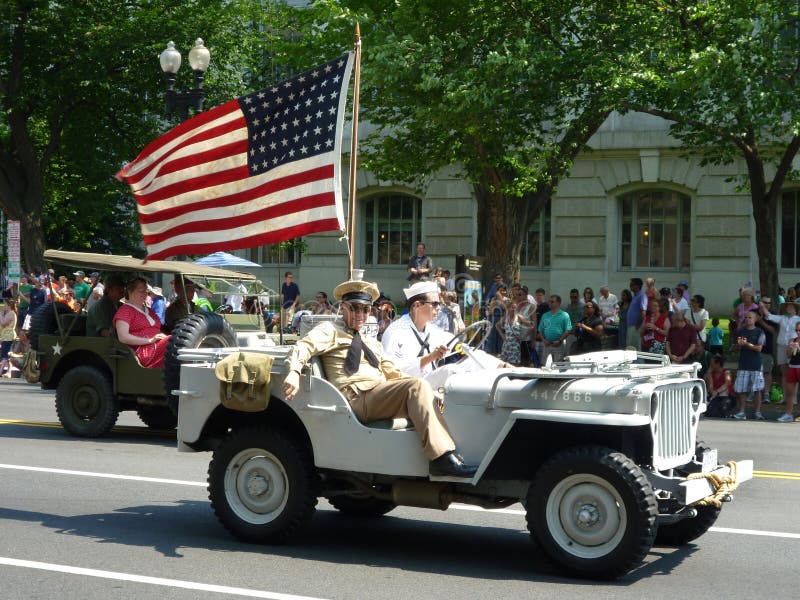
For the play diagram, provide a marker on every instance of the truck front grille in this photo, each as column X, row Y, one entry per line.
column 674, row 423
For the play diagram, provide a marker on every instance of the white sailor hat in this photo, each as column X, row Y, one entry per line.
column 421, row 287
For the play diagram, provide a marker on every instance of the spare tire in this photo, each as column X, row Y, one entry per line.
column 43, row 321
column 199, row 330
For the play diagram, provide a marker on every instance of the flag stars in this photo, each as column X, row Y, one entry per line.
column 282, row 119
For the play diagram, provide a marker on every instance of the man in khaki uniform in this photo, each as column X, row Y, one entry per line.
column 372, row 384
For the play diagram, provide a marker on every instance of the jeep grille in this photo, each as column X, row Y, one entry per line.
column 674, row 424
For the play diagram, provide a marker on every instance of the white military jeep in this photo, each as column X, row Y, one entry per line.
column 598, row 449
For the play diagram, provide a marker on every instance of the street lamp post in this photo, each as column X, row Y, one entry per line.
column 199, row 58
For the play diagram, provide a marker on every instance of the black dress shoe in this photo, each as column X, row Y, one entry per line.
column 449, row 465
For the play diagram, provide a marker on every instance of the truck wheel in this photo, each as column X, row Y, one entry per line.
column 43, row 321
column 198, row 330
column 157, row 417
column 593, row 512
column 85, row 402
column 355, row 505
column 262, row 485
column 682, row 532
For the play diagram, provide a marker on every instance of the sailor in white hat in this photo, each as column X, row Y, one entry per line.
column 415, row 344
column 372, row 384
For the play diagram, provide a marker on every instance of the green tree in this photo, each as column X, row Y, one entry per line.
column 510, row 92
column 81, row 92
column 726, row 72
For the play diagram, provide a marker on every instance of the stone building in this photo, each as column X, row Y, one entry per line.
column 635, row 205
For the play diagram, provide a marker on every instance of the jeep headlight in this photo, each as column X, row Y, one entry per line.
column 697, row 397
column 653, row 405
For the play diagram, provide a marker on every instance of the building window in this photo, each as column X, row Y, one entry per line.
column 655, row 230
column 275, row 254
column 536, row 245
column 392, row 228
column 789, row 220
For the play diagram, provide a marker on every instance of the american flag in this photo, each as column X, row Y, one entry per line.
column 259, row 169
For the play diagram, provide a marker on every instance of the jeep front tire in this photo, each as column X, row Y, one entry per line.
column 262, row 485
column 593, row 512
column 85, row 402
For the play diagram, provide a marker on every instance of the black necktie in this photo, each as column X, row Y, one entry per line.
column 353, row 358
column 423, row 344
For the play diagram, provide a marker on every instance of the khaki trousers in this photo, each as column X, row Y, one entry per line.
column 405, row 398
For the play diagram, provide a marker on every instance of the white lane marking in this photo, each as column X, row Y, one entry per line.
column 105, row 475
column 511, row 511
column 777, row 534
column 175, row 583
column 506, row 511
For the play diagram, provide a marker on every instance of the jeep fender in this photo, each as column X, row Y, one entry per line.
column 577, row 419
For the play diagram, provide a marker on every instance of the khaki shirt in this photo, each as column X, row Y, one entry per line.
column 330, row 341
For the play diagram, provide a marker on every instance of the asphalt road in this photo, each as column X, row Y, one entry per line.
column 127, row 517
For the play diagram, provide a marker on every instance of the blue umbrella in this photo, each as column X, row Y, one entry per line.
column 224, row 259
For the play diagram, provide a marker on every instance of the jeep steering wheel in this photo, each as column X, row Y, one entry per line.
column 469, row 336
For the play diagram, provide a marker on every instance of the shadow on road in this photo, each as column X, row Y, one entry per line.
column 40, row 430
column 396, row 542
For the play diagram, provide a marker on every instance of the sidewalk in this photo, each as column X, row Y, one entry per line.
column 771, row 410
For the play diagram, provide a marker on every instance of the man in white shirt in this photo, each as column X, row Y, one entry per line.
column 415, row 344
column 609, row 306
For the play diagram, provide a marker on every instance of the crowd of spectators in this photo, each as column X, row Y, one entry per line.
column 526, row 328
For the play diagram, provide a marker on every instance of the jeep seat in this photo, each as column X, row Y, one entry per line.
column 397, row 424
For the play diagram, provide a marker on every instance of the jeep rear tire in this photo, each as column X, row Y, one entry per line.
column 262, row 485
column 198, row 330
column 593, row 512
column 157, row 417
column 43, row 321
column 85, row 402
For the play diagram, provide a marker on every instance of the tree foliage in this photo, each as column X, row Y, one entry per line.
column 726, row 73
column 508, row 92
column 81, row 92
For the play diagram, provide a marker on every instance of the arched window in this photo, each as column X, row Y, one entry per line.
column 536, row 245
column 392, row 228
column 655, row 230
column 789, row 230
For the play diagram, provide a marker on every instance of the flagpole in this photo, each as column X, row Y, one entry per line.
column 351, row 197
